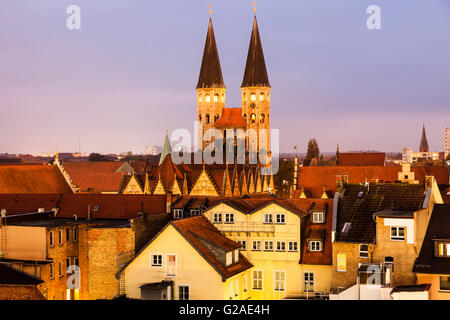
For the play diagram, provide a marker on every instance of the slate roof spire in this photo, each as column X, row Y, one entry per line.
column 210, row 71
column 167, row 149
column 423, row 142
column 255, row 74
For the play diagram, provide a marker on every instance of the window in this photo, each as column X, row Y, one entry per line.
column 253, row 96
column 200, row 99
column 217, row 218
column 195, row 212
column 178, row 213
column 183, row 292
column 75, row 234
column 223, row 98
column 236, row 255
column 268, row 218
column 444, row 283
column 308, row 282
column 67, row 262
column 216, row 98
column 60, row 269
column 268, row 245
column 279, row 278
column 315, row 245
column 346, row 227
column 156, row 260
column 216, row 117
column 67, row 235
column 229, row 218
column 52, row 270
column 397, row 233
column 281, row 246
column 261, row 96
column 318, row 217
column 171, row 266
column 51, row 240
column 228, row 258
column 207, row 118
column 256, row 245
column 245, row 117
column 253, row 118
column 245, row 283
column 257, row 279
column 243, row 243
column 363, row 251
column 341, row 262
column 200, row 117
column 207, row 98
column 293, row 246
column 262, row 117
column 75, row 261
column 281, row 218
column 443, row 249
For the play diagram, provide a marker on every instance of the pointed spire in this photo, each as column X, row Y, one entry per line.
column 210, row 71
column 167, row 149
column 255, row 74
column 423, row 142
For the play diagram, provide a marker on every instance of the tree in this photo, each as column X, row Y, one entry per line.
column 337, row 155
column 313, row 149
column 97, row 157
column 284, row 178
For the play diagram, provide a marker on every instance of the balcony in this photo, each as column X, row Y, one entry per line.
column 246, row 227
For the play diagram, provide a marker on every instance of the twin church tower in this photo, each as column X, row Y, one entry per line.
column 254, row 112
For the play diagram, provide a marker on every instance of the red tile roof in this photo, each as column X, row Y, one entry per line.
column 362, row 159
column 32, row 179
column 95, row 176
column 312, row 231
column 198, row 229
column 231, row 118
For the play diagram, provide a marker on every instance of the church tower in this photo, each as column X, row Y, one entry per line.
column 255, row 90
column 210, row 87
column 424, row 142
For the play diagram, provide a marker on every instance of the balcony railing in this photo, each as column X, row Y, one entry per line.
column 246, row 227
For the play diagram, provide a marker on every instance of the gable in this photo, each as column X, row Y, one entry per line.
column 133, row 187
column 204, row 186
column 159, row 189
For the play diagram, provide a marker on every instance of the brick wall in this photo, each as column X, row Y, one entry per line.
column 10, row 292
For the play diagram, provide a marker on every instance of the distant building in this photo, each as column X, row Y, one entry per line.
column 408, row 155
column 362, row 159
column 153, row 150
column 447, row 142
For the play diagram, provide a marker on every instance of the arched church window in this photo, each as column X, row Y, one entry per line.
column 261, row 96
column 253, row 118
column 245, row 117
column 200, row 117
column 223, row 98
column 216, row 98
column 200, row 98
column 207, row 118
column 262, row 118
column 207, row 98
column 244, row 96
column 253, row 96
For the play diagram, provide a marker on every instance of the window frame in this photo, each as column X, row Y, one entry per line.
column 60, row 237
column 275, row 280
column 322, row 215
column 259, row 280
column 309, row 282
column 227, row 216
column 51, row 239
column 440, row 284
column 310, row 246
column 265, row 220
column 365, row 252
column 167, row 265
column 280, row 215
column 281, row 242
column 52, row 270
column 296, row 246
column 266, row 242
column 243, row 243
column 176, row 214
column 253, row 245
column 397, row 237
column 152, row 255
column 217, row 215
column 184, row 293
column 341, row 257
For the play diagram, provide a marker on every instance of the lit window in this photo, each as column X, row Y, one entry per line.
column 261, row 118
column 268, row 245
column 279, row 280
column 256, row 245
column 253, row 118
column 268, row 218
column 229, row 218
column 223, row 98
column 217, row 218
column 293, row 246
column 261, row 97
column 281, row 218
column 207, row 98
column 243, row 243
column 281, row 246
column 444, row 283
column 318, row 217
column 236, row 255
column 156, row 260
column 228, row 258
column 253, row 96
column 183, row 293
column 178, row 213
column 397, row 233
column 200, row 99
column 257, row 279
column 341, row 262
column 171, row 267
column 315, row 245
column 363, row 251
column 216, row 98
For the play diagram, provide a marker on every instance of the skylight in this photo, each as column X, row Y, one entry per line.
column 346, row 227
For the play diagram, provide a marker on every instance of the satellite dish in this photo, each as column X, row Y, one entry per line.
column 3, row 213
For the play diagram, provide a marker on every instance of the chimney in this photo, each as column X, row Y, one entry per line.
column 169, row 202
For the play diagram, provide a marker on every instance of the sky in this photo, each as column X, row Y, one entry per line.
column 130, row 72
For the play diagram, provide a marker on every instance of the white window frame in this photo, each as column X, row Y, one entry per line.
column 153, row 254
column 266, row 220
column 278, row 248
column 267, row 242
column 313, row 248
column 293, row 243
column 188, row 293
column 217, row 215
column 308, row 281
column 315, row 214
column 397, row 237
column 229, row 218
column 195, row 212
column 364, row 252
column 275, row 280
column 177, row 213
column 258, row 279
column 253, row 245
column 167, row 265
column 279, row 220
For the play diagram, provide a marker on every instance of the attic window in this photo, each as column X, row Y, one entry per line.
column 318, row 217
column 360, row 194
column 236, row 255
column 442, row 249
column 178, row 213
column 346, row 227
column 229, row 258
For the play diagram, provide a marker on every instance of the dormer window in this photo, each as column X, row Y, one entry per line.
column 318, row 217
column 195, row 212
column 228, row 258
column 178, row 213
column 236, row 256
column 346, row 227
column 397, row 233
column 442, row 249
column 315, row 245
